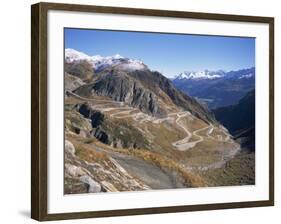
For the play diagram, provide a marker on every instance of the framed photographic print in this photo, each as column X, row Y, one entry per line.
column 139, row 111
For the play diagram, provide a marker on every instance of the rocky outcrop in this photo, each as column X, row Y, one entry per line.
column 76, row 123
column 121, row 87
column 72, row 82
column 108, row 186
column 83, row 176
column 92, row 186
column 110, row 132
column 74, row 171
column 69, row 148
column 95, row 116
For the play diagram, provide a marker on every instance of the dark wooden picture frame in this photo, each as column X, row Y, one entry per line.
column 39, row 121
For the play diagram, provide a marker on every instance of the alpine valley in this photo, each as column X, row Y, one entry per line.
column 129, row 128
column 216, row 88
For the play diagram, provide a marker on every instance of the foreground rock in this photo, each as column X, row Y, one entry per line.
column 92, row 186
column 95, row 175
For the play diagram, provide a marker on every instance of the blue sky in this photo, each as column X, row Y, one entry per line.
column 167, row 53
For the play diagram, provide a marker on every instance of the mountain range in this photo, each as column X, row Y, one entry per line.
column 216, row 88
column 129, row 128
column 131, row 81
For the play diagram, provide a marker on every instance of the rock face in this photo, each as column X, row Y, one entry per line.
column 72, row 82
column 81, row 69
column 102, row 135
column 110, row 132
column 92, row 186
column 121, row 87
column 96, row 117
column 74, row 171
column 159, row 83
column 108, row 186
column 75, row 122
column 69, row 148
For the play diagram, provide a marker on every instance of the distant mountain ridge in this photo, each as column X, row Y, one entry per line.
column 217, row 88
column 206, row 74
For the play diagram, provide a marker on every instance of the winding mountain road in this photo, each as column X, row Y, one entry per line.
column 182, row 144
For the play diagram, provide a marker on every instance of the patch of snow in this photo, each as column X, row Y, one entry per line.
column 206, row 74
column 73, row 55
column 132, row 65
column 117, row 56
column 100, row 63
column 246, row 76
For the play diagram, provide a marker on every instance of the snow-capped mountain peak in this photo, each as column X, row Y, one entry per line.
column 73, row 55
column 205, row 74
column 117, row 56
column 100, row 63
column 220, row 74
column 246, row 76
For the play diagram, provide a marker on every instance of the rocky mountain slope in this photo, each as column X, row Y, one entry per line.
column 239, row 119
column 131, row 81
column 128, row 128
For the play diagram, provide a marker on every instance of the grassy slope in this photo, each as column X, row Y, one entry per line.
column 159, row 151
column 238, row 171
